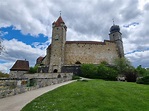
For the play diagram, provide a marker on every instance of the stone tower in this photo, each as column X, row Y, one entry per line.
column 116, row 36
column 57, row 45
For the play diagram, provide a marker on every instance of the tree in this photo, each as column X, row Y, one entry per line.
column 33, row 70
column 142, row 71
column 3, row 75
column 122, row 64
column 125, row 68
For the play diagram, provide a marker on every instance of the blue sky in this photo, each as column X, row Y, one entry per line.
column 26, row 38
column 26, row 29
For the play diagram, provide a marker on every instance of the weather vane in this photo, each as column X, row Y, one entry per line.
column 60, row 12
column 113, row 21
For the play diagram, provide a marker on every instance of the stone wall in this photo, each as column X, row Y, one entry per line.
column 46, row 60
column 18, row 86
column 90, row 53
column 48, row 75
column 72, row 68
column 17, row 74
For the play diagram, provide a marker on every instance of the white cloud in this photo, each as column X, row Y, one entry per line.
column 139, row 58
column 5, row 67
column 85, row 19
column 26, row 15
column 17, row 50
column 3, row 33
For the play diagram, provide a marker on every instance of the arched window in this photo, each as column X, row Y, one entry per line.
column 59, row 76
column 78, row 62
column 55, row 71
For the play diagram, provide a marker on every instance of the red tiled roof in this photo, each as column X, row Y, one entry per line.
column 20, row 65
column 87, row 42
column 59, row 21
column 40, row 58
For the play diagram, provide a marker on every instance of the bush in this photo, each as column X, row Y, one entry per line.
column 75, row 77
column 122, row 64
column 3, row 75
column 101, row 71
column 33, row 70
column 89, row 71
column 142, row 71
column 32, row 82
column 106, row 72
column 131, row 75
column 124, row 68
column 144, row 80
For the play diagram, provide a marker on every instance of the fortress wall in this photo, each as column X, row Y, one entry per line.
column 90, row 53
column 46, row 60
column 39, row 80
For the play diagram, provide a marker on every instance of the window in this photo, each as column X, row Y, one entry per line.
column 56, row 37
column 59, row 76
column 78, row 62
column 55, row 70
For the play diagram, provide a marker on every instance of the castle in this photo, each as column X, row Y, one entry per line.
column 66, row 56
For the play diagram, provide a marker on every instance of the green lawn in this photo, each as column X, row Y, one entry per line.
column 94, row 95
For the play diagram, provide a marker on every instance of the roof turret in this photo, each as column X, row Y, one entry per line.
column 59, row 21
column 114, row 28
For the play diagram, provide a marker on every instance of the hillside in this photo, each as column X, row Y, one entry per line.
column 93, row 95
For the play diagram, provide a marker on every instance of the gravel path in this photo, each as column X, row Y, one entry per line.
column 17, row 102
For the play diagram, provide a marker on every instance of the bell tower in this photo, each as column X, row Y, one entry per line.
column 116, row 36
column 57, row 45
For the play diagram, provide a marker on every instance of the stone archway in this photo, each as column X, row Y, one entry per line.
column 59, row 76
column 78, row 62
column 55, row 71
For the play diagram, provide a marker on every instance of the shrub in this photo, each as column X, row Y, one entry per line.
column 75, row 77
column 3, row 75
column 32, row 82
column 107, row 73
column 144, row 80
column 101, row 71
column 131, row 75
column 33, row 70
column 124, row 68
column 122, row 64
column 142, row 71
column 89, row 70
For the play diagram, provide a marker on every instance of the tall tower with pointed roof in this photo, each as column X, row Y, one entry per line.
column 57, row 45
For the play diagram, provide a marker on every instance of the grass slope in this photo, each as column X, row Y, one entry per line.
column 94, row 95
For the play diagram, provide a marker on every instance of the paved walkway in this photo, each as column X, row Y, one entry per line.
column 17, row 102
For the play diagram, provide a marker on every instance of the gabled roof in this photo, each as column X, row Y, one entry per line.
column 20, row 65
